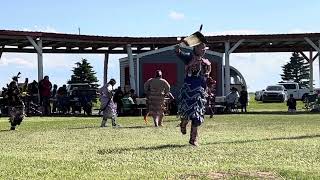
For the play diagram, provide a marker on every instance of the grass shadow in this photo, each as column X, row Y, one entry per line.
column 169, row 146
column 280, row 112
column 134, row 127
column 121, row 127
column 269, row 113
column 87, row 127
column 122, row 150
column 266, row 139
column 5, row 130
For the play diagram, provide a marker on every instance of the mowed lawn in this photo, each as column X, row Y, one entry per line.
column 259, row 106
column 231, row 146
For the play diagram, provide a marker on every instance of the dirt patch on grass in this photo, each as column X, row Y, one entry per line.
column 232, row 175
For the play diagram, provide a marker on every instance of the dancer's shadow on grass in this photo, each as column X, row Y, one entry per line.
column 171, row 146
column 274, row 113
column 135, row 127
column 122, row 150
column 266, row 139
column 85, row 127
column 5, row 130
column 120, row 127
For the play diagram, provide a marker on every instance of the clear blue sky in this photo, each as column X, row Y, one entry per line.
column 156, row 18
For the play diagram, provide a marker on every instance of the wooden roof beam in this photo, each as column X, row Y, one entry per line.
column 50, row 43
column 7, row 42
column 315, row 47
column 271, row 49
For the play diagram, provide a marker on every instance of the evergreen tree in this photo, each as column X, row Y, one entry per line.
column 297, row 70
column 83, row 73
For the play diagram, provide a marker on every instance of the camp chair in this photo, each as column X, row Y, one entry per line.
column 234, row 107
column 310, row 101
column 126, row 105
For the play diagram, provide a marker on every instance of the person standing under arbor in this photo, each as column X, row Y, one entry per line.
column 53, row 96
column 292, row 104
column 211, row 91
column 117, row 98
column 156, row 89
column 108, row 106
column 193, row 94
column 243, row 99
column 45, row 87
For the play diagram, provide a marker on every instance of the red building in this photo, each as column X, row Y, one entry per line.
column 173, row 68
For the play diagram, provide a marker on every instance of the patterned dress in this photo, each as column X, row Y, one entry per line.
column 108, row 106
column 192, row 99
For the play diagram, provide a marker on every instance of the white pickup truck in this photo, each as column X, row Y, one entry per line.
column 298, row 92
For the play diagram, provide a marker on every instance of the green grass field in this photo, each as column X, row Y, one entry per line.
column 259, row 106
column 245, row 146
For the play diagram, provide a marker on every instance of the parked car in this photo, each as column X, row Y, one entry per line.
column 299, row 93
column 274, row 93
column 79, row 87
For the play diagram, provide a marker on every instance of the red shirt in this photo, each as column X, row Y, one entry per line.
column 45, row 88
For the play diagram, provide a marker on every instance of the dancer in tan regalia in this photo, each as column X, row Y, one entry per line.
column 156, row 89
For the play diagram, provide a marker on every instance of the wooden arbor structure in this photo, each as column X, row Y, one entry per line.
column 43, row 42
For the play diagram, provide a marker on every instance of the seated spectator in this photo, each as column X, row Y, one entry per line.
column 54, row 91
column 292, row 104
column 128, row 104
column 74, row 101
column 53, row 96
column 127, row 98
column 62, row 91
column 33, row 91
column 63, row 99
column 232, row 99
column 133, row 95
column 117, row 98
column 80, row 101
column 211, row 91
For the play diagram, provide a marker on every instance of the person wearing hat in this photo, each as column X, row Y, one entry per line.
column 232, row 98
column 192, row 98
column 108, row 106
column 156, row 89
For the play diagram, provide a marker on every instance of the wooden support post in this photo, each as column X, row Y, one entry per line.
column 131, row 68
column 138, row 76
column 40, row 61
column 319, row 60
column 226, row 74
column 311, row 71
column 105, row 68
column 38, row 47
column 227, row 68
